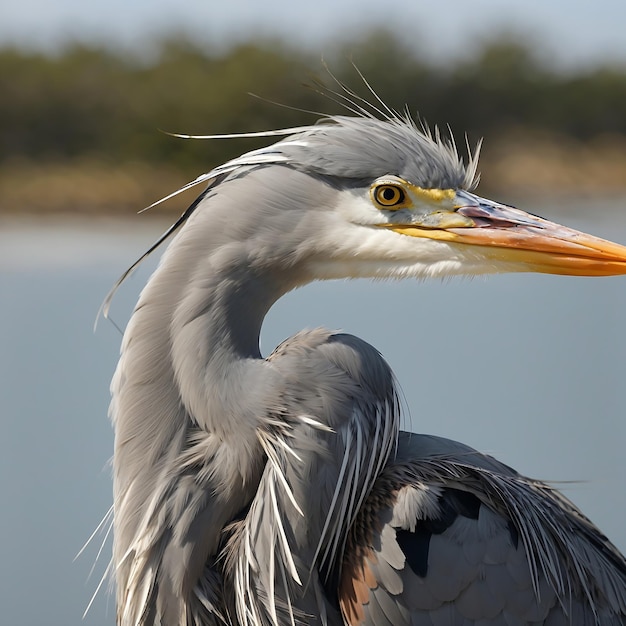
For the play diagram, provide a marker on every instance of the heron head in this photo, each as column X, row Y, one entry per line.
column 404, row 205
column 367, row 197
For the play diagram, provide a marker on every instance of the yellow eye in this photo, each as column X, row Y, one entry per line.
column 389, row 195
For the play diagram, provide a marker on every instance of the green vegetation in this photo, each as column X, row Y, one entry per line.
column 79, row 130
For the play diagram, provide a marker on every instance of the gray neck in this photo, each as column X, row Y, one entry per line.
column 190, row 393
column 187, row 396
column 214, row 338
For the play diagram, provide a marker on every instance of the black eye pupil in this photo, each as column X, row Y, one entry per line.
column 389, row 196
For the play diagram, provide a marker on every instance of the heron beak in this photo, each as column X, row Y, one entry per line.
column 520, row 240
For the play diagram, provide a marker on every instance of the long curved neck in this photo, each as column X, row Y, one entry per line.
column 184, row 404
column 191, row 393
column 194, row 336
column 214, row 338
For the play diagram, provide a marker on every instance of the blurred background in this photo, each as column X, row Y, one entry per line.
column 529, row 368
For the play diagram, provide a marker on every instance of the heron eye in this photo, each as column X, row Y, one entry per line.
column 389, row 195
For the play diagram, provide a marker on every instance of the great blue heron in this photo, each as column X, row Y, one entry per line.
column 279, row 490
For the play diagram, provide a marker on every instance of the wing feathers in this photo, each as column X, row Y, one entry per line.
column 460, row 539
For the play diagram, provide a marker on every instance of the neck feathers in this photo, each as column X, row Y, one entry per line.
column 324, row 452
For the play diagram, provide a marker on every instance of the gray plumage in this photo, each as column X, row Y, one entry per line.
column 279, row 490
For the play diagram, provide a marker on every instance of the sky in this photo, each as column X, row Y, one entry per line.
column 570, row 34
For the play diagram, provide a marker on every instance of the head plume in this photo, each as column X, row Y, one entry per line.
column 372, row 142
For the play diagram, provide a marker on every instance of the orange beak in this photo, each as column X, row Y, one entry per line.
column 522, row 241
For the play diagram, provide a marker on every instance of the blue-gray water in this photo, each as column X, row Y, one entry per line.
column 529, row 368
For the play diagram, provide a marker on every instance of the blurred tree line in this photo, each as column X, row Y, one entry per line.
column 86, row 102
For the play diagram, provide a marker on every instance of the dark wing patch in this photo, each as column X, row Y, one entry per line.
column 415, row 545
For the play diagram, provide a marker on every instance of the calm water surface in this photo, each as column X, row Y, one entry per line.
column 529, row 368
